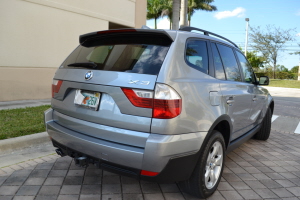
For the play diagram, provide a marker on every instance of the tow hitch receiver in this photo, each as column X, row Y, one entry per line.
column 81, row 161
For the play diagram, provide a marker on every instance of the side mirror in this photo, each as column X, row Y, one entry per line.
column 263, row 80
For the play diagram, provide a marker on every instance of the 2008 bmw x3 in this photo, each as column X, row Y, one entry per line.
column 158, row 105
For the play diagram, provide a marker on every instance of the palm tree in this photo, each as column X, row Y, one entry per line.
column 194, row 5
column 175, row 16
column 154, row 9
column 167, row 10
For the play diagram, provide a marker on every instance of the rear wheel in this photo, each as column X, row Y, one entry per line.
column 207, row 174
column 264, row 132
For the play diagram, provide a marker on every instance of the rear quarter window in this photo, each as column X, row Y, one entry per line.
column 196, row 55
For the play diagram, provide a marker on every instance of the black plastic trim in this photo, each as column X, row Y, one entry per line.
column 239, row 141
column 115, row 168
column 214, row 125
column 177, row 169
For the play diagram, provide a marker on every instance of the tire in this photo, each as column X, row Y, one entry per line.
column 264, row 131
column 202, row 183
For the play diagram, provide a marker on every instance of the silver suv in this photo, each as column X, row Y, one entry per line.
column 158, row 105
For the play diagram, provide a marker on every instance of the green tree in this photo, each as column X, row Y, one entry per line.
column 255, row 60
column 294, row 69
column 154, row 10
column 282, row 68
column 194, row 5
column 270, row 42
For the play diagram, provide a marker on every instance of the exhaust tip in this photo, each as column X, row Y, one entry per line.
column 59, row 152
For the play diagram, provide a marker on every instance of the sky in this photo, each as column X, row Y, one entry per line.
column 229, row 21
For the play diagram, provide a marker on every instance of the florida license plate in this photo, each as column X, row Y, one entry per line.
column 87, row 99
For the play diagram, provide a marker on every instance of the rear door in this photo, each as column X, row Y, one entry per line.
column 98, row 69
column 237, row 95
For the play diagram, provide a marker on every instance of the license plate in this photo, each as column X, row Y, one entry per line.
column 87, row 99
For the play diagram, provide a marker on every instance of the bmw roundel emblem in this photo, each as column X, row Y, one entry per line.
column 88, row 75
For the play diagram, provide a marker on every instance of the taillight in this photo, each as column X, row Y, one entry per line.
column 56, row 86
column 164, row 101
column 139, row 98
column 167, row 102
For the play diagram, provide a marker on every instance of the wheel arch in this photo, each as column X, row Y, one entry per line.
column 224, row 126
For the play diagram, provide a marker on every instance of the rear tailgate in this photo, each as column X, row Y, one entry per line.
column 104, row 63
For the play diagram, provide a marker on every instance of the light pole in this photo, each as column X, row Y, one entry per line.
column 246, row 43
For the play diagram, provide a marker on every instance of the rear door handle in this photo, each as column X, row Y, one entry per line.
column 230, row 101
column 254, row 98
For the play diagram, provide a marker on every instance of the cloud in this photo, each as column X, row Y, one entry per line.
column 298, row 13
column 238, row 12
column 164, row 23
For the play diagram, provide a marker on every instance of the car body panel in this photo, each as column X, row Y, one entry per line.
column 153, row 154
column 239, row 110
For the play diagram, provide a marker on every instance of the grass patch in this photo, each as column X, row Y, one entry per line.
column 22, row 121
column 284, row 83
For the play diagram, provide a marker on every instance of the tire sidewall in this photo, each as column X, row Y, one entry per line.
column 216, row 136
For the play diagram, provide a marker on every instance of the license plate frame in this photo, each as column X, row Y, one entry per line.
column 87, row 99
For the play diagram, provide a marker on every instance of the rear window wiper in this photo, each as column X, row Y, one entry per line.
column 84, row 64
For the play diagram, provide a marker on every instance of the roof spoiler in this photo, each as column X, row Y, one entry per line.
column 86, row 39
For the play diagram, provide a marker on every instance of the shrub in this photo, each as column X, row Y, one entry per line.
column 259, row 74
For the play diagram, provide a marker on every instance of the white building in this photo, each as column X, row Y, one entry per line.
column 37, row 35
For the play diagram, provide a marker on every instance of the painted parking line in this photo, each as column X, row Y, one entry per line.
column 274, row 117
column 297, row 131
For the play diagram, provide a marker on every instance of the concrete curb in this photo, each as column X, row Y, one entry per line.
column 13, row 144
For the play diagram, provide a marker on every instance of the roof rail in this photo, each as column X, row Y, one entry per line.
column 190, row 29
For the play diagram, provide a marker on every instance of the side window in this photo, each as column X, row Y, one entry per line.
column 219, row 70
column 231, row 68
column 196, row 55
column 246, row 68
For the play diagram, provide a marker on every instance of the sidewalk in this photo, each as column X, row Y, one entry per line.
column 22, row 151
column 23, row 103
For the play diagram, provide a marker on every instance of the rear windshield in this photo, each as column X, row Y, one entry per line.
column 131, row 58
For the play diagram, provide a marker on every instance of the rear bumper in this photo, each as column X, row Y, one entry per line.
column 173, row 156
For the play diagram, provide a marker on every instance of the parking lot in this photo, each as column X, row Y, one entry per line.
column 256, row 170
